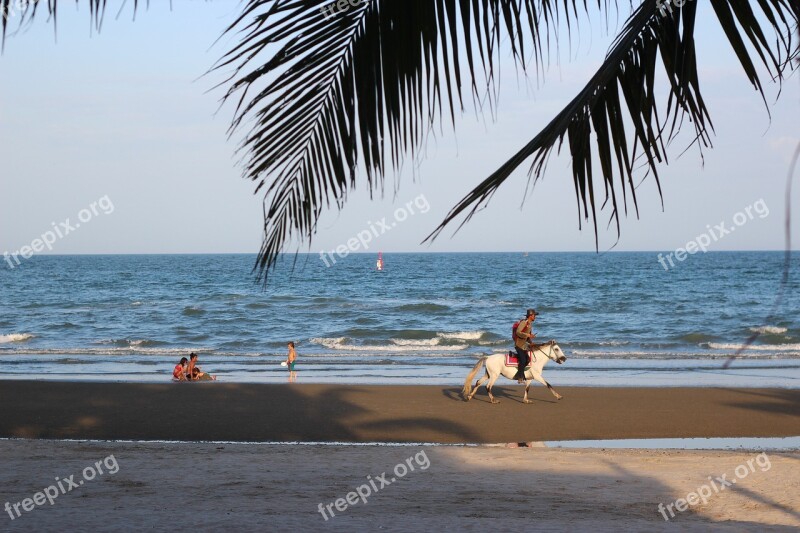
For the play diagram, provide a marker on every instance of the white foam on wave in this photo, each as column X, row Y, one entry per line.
column 462, row 335
column 589, row 354
column 129, row 342
column 338, row 343
column 769, row 330
column 328, row 342
column 15, row 337
column 495, row 343
column 116, row 350
column 416, row 342
column 606, row 353
column 614, row 343
column 756, row 347
column 354, row 348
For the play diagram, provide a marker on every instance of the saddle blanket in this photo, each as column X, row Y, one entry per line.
column 513, row 360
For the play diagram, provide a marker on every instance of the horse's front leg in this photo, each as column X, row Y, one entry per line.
column 541, row 380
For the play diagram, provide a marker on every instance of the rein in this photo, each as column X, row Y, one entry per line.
column 549, row 353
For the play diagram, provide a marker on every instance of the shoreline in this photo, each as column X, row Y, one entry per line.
column 385, row 413
column 696, row 444
column 578, row 372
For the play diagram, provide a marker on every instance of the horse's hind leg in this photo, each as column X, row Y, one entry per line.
column 478, row 383
column 527, row 386
column 489, row 386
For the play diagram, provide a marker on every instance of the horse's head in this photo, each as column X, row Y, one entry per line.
column 554, row 352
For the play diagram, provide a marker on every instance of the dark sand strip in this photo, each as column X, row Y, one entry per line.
column 385, row 413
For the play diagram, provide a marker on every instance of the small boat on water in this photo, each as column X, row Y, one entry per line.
column 379, row 263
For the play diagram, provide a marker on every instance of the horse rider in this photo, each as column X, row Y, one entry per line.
column 523, row 342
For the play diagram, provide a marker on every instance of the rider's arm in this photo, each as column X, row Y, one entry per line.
column 521, row 332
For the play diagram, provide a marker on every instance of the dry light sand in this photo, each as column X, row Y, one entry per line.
column 278, row 487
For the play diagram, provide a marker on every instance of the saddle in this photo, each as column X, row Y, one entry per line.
column 513, row 360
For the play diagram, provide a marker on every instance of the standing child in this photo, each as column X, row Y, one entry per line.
column 291, row 359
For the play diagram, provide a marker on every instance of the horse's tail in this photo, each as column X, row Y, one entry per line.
column 475, row 369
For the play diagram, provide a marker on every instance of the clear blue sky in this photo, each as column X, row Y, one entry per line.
column 123, row 114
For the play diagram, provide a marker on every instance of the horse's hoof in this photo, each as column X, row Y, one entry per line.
column 495, row 401
column 528, row 401
column 559, row 397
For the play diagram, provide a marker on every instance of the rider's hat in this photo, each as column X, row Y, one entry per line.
column 530, row 312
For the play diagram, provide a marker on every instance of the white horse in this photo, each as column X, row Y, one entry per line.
column 496, row 367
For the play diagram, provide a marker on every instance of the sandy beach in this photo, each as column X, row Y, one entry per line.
column 341, row 413
column 252, row 484
column 278, row 487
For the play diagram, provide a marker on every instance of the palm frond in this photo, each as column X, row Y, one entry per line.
column 25, row 12
column 359, row 89
column 323, row 94
column 622, row 91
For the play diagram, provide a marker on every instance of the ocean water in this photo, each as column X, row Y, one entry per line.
column 426, row 318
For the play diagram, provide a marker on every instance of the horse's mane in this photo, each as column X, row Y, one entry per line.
column 537, row 346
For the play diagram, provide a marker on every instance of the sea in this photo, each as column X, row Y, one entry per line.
column 621, row 318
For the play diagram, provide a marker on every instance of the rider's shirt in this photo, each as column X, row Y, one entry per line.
column 523, row 334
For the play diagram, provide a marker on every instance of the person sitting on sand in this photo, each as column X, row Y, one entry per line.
column 194, row 373
column 179, row 372
column 192, row 363
column 523, row 342
column 198, row 375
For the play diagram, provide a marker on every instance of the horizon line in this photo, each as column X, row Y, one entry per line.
column 418, row 252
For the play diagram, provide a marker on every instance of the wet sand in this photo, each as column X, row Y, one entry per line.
column 252, row 487
column 385, row 413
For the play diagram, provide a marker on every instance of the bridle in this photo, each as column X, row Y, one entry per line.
column 549, row 353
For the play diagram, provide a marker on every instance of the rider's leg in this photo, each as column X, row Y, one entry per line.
column 522, row 358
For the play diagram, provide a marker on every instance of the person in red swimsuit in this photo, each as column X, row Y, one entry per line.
column 179, row 372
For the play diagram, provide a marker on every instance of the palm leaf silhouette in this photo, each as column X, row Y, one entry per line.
column 325, row 98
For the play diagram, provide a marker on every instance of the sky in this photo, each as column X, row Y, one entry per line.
column 120, row 132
